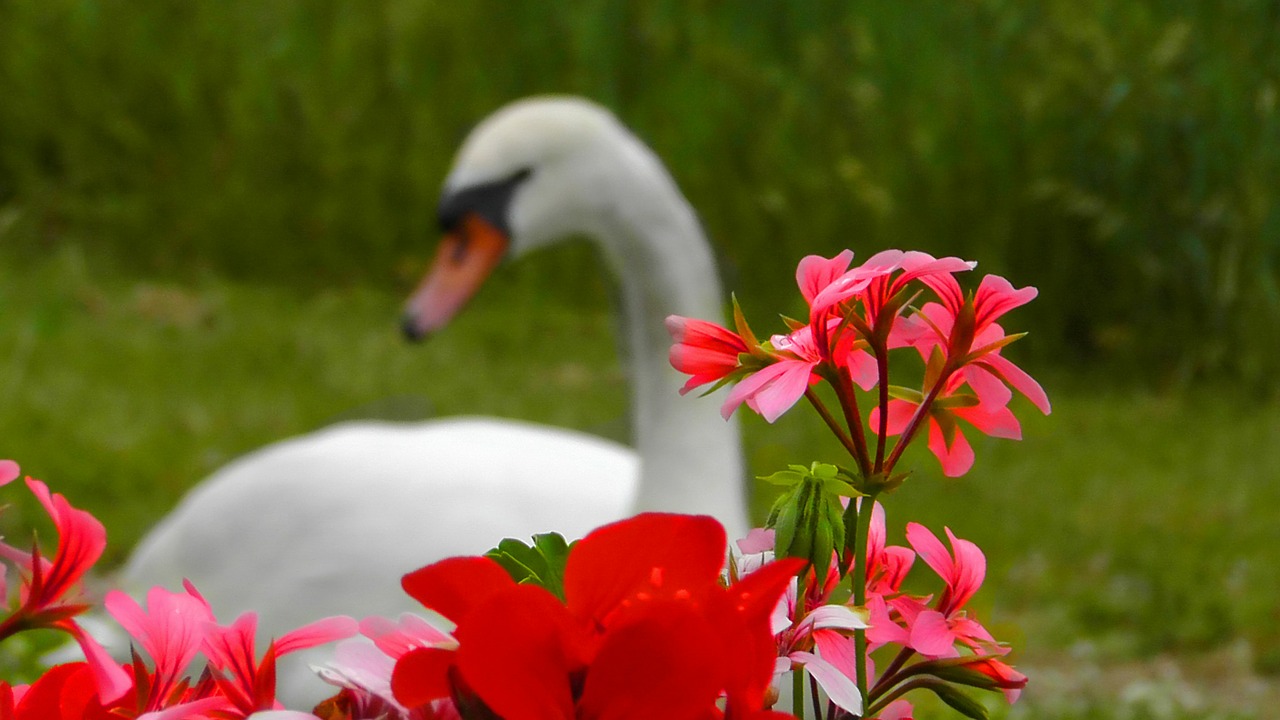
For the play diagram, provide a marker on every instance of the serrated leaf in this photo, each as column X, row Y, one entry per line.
column 540, row 564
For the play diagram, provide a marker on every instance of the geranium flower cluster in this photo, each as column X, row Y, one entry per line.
column 856, row 317
column 172, row 630
column 860, row 322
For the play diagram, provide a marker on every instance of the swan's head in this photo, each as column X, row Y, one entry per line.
column 536, row 171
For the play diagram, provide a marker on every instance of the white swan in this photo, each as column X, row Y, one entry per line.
column 326, row 523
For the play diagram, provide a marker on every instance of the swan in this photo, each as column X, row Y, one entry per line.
column 327, row 522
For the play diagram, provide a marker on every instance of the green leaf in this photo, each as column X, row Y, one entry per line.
column 740, row 324
column 959, row 701
column 785, row 478
column 901, row 393
column 540, row 564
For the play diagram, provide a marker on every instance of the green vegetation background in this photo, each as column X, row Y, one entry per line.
column 210, row 211
column 1122, row 157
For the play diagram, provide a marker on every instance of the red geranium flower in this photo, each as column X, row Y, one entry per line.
column 646, row 630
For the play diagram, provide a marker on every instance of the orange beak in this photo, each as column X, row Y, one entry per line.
column 464, row 259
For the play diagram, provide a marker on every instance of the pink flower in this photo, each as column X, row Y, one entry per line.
column 703, row 350
column 248, row 684
column 81, row 539
column 825, row 285
column 980, row 353
column 935, row 631
column 774, row 389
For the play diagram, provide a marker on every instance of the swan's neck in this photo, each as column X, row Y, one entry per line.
column 690, row 458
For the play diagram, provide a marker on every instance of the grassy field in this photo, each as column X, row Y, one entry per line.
column 1130, row 536
column 1120, row 157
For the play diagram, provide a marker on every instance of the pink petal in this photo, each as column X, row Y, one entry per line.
column 838, row 650
column 862, row 369
column 815, row 273
column 932, row 551
column 970, row 569
column 111, row 680
column 900, row 414
column 839, row 688
column 1019, row 379
column 757, row 541
column 170, row 630
column 998, row 422
column 996, row 296
column 834, row 616
column 317, row 633
column 990, row 390
column 931, row 636
column 772, row 390
column 193, row 709
column 957, row 459
column 9, row 471
column 883, row 629
column 409, row 631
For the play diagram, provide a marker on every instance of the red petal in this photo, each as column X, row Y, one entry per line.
column 517, row 651
column 453, row 586
column 665, row 664
column 421, row 676
column 653, row 552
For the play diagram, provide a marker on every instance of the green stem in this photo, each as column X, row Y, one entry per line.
column 865, row 507
column 797, row 692
column 897, row 693
column 886, row 677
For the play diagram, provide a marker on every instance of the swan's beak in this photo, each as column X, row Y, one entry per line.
column 464, row 259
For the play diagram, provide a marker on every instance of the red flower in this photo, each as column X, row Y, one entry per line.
column 646, row 630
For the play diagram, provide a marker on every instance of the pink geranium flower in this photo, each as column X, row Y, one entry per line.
column 935, row 631
column 774, row 389
column 703, row 350
column 249, row 684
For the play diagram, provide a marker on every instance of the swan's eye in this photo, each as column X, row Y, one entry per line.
column 491, row 201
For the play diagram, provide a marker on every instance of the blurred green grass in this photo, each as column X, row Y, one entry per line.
column 1121, row 157
column 1125, row 526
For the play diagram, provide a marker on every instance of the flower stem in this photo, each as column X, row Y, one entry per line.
column 849, row 404
column 866, row 505
column 817, row 702
column 831, row 422
column 797, row 692
column 887, row 679
column 917, row 419
column 897, row 693
column 882, row 368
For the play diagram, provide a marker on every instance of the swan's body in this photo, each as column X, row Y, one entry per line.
column 326, row 523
